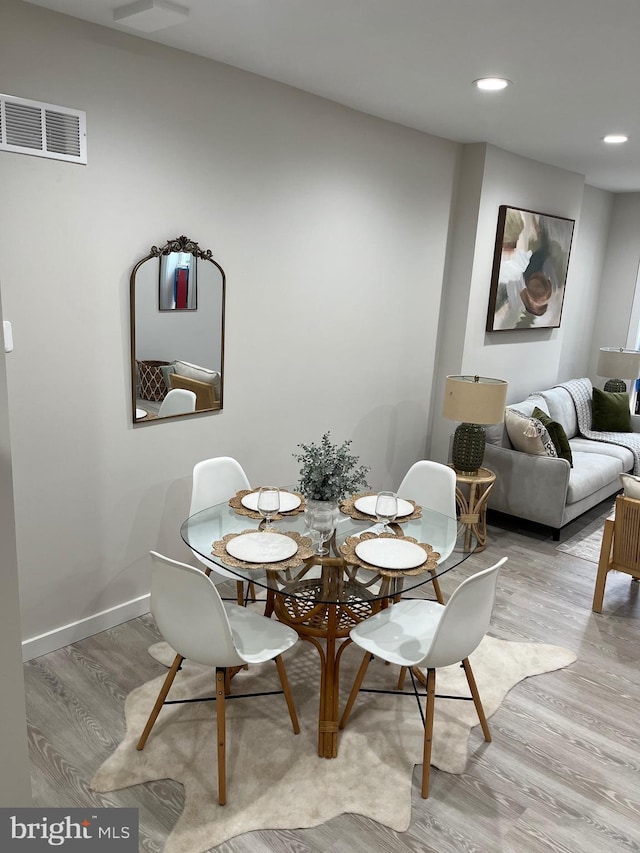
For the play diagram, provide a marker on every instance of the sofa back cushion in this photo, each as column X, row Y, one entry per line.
column 560, row 406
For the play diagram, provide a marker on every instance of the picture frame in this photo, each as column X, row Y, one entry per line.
column 529, row 273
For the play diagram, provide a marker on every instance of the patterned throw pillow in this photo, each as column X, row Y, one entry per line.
column 151, row 384
column 528, row 434
column 557, row 433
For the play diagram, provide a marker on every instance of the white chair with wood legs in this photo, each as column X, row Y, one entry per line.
column 214, row 481
column 192, row 618
column 432, row 485
column 426, row 634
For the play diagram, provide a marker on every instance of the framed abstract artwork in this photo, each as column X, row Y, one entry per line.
column 529, row 274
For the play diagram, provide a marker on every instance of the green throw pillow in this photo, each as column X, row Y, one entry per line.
column 557, row 433
column 611, row 411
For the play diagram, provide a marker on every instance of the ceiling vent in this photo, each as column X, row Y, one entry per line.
column 43, row 130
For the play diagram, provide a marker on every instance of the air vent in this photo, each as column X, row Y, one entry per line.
column 43, row 130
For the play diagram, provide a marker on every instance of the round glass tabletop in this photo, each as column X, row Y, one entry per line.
column 340, row 577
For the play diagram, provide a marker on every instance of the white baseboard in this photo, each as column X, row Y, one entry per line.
column 83, row 628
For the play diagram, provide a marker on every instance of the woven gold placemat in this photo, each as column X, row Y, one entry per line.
column 348, row 507
column 304, row 552
column 348, row 550
column 236, row 504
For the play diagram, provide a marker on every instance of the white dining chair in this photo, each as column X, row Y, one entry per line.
column 426, row 634
column 196, row 623
column 432, row 485
column 216, row 480
column 177, row 402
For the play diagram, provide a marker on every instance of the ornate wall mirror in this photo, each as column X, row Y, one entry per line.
column 177, row 332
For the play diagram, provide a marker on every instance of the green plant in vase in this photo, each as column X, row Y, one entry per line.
column 328, row 471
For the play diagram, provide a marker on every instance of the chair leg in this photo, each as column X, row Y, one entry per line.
column 603, row 565
column 401, row 677
column 240, row 593
column 220, row 721
column 153, row 716
column 476, row 699
column 428, row 731
column 436, row 587
column 366, row 660
column 286, row 689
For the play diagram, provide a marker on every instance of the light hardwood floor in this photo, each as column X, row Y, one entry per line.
column 562, row 773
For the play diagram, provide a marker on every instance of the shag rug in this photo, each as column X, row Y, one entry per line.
column 586, row 544
column 275, row 779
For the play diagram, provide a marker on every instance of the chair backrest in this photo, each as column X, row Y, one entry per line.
column 216, row 480
column 626, row 533
column 465, row 619
column 178, row 401
column 190, row 614
column 431, row 485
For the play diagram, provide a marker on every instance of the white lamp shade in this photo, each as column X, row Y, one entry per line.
column 474, row 399
column 618, row 363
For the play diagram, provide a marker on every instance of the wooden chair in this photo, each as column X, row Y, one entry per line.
column 620, row 550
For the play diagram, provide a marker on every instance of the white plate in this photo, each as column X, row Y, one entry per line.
column 262, row 547
column 391, row 553
column 288, row 501
column 367, row 505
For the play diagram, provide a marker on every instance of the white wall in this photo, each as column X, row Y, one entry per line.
column 528, row 360
column 331, row 227
column 619, row 276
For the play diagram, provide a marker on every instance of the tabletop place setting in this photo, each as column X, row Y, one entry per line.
column 383, row 547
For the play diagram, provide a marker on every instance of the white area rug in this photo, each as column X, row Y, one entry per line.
column 275, row 779
column 586, row 544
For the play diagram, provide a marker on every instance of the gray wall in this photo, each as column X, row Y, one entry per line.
column 15, row 780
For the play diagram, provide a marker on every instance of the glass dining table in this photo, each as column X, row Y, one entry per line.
column 323, row 597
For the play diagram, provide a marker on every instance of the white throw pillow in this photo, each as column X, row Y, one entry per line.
column 528, row 434
column 631, row 486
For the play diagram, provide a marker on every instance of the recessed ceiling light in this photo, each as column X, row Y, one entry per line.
column 615, row 138
column 491, row 84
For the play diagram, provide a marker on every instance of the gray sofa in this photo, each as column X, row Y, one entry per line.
column 545, row 489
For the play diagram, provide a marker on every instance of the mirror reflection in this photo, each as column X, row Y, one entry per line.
column 177, row 332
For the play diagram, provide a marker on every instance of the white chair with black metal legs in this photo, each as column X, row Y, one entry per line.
column 192, row 618
column 177, row 402
column 426, row 634
column 432, row 485
column 214, row 481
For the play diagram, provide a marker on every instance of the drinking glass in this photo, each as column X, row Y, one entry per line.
column 323, row 522
column 386, row 509
column 268, row 503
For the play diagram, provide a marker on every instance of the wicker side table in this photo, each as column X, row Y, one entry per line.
column 472, row 504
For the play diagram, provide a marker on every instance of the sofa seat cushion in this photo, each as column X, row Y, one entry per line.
column 603, row 448
column 591, row 472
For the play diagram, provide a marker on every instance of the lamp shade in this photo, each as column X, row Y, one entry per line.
column 618, row 363
column 474, row 399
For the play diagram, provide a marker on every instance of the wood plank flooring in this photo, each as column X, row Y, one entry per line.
column 562, row 773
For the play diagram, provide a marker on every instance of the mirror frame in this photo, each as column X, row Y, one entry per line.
column 178, row 244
